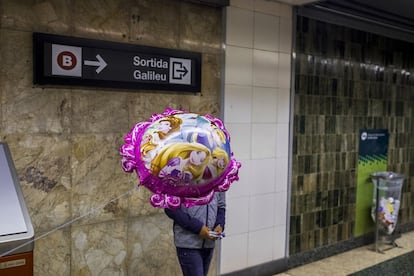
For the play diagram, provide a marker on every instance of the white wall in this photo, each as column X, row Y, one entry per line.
column 256, row 112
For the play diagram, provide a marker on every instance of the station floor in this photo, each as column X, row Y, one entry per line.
column 359, row 259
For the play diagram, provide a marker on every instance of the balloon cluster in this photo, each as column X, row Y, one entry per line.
column 183, row 158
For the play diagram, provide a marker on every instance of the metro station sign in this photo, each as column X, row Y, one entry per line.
column 70, row 61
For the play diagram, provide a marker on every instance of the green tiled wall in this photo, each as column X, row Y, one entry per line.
column 345, row 80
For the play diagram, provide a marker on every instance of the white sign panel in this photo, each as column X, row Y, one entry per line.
column 66, row 60
column 180, row 70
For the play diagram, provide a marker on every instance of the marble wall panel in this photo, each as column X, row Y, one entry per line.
column 151, row 249
column 155, row 23
column 99, row 112
column 16, row 58
column 35, row 111
column 210, row 80
column 106, row 20
column 28, row 15
column 53, row 253
column 97, row 178
column 139, row 202
column 199, row 28
column 24, row 108
column 141, row 107
column 99, row 249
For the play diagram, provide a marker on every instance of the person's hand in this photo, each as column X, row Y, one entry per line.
column 204, row 233
column 218, row 229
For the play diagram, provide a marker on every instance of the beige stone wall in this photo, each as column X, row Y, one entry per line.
column 64, row 140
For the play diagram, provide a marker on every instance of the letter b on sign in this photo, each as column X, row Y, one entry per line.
column 66, row 60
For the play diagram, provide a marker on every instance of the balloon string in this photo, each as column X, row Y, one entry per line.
column 66, row 224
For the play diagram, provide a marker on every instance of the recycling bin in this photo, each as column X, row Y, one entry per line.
column 16, row 230
column 386, row 200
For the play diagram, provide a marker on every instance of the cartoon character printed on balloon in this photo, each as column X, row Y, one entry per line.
column 219, row 161
column 156, row 136
column 200, row 130
column 181, row 163
column 212, row 138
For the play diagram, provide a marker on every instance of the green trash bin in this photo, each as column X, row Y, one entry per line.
column 386, row 200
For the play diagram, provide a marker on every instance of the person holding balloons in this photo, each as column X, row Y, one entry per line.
column 195, row 231
column 185, row 160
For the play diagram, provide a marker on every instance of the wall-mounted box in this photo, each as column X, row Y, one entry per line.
column 16, row 230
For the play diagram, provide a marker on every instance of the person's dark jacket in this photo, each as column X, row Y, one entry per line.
column 189, row 221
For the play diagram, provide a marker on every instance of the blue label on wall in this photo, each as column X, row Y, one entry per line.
column 372, row 157
column 373, row 144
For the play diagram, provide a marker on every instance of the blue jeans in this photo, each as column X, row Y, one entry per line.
column 195, row 262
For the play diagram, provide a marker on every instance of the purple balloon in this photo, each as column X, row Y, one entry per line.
column 183, row 158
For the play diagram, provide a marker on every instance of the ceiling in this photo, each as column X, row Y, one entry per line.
column 397, row 8
column 394, row 12
column 224, row 3
column 403, row 9
column 295, row 2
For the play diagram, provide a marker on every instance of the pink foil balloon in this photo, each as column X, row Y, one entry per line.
column 183, row 158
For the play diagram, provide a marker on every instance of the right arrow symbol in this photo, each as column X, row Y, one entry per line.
column 179, row 70
column 100, row 63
